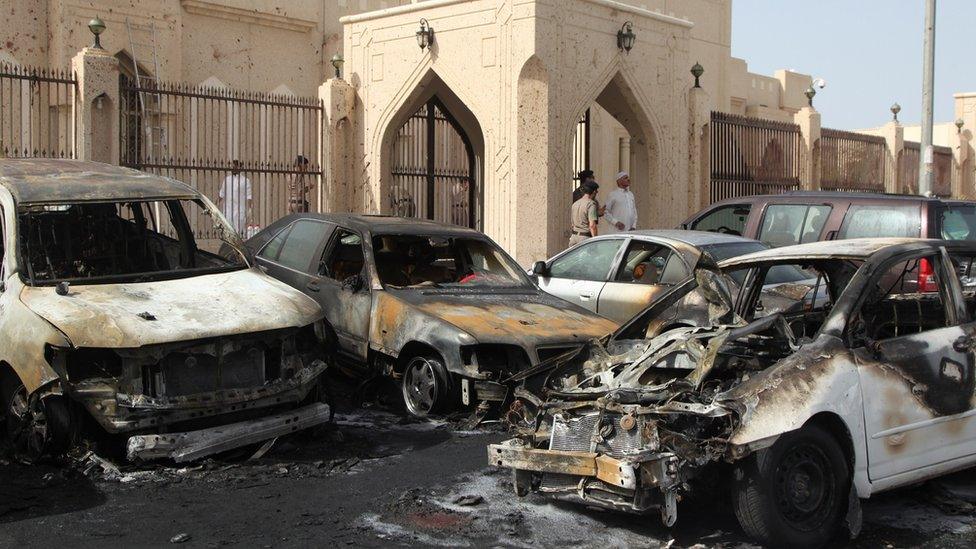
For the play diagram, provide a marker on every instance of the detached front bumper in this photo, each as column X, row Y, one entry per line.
column 193, row 445
column 635, row 483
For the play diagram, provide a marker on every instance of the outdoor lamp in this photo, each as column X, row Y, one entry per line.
column 810, row 93
column 959, row 124
column 337, row 62
column 626, row 37
column 895, row 109
column 97, row 27
column 425, row 36
column 697, row 70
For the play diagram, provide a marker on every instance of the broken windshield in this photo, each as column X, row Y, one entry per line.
column 122, row 241
column 404, row 261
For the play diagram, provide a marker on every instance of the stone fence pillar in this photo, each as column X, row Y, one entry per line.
column 338, row 100
column 809, row 121
column 96, row 106
column 894, row 135
column 699, row 135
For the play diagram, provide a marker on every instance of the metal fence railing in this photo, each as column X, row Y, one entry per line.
column 36, row 114
column 752, row 156
column 852, row 161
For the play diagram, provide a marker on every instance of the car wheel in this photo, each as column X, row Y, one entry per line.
column 36, row 426
column 794, row 493
column 426, row 386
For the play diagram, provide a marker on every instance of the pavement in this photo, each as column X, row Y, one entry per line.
column 377, row 479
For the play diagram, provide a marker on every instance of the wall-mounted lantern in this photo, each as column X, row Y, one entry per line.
column 895, row 109
column 697, row 70
column 97, row 27
column 425, row 36
column 626, row 37
column 337, row 62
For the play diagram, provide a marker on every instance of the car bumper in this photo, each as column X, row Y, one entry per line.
column 635, row 484
column 193, row 445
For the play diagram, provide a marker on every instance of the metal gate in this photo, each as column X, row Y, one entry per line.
column 433, row 169
column 37, row 112
column 196, row 134
column 581, row 147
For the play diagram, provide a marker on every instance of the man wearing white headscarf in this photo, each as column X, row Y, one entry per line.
column 621, row 208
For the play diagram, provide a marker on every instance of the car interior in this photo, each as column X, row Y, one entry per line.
column 71, row 241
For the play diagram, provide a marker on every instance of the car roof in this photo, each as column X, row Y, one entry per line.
column 385, row 224
column 853, row 248
column 694, row 238
column 39, row 181
column 835, row 195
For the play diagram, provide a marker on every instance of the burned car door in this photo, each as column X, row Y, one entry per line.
column 342, row 288
column 645, row 271
column 290, row 254
column 913, row 342
column 579, row 275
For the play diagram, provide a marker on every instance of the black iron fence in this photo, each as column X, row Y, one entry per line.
column 36, row 112
column 195, row 134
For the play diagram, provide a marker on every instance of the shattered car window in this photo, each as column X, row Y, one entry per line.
column 905, row 301
column 120, row 241
column 441, row 261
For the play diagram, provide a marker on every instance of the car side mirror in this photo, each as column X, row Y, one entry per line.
column 539, row 268
column 353, row 283
column 323, row 268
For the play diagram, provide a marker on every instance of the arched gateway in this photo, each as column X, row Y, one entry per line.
column 433, row 168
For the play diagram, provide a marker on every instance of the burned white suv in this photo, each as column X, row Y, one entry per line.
column 803, row 410
column 111, row 308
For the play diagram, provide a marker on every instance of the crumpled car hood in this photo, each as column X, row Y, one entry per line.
column 526, row 318
column 107, row 315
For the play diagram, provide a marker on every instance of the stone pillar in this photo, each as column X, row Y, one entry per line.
column 335, row 194
column 96, row 106
column 894, row 135
column 699, row 166
column 809, row 121
column 964, row 152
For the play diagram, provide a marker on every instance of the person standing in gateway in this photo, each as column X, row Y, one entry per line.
column 585, row 214
column 235, row 198
column 621, row 208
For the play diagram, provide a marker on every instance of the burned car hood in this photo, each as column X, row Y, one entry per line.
column 132, row 315
column 523, row 316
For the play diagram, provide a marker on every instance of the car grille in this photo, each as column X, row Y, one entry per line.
column 575, row 433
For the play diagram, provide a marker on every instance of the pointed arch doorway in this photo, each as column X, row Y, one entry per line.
column 433, row 169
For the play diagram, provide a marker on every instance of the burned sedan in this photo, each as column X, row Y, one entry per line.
column 110, row 308
column 879, row 394
column 442, row 308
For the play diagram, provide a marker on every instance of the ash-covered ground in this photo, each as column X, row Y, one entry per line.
column 378, row 479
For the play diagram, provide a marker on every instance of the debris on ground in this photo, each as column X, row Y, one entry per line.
column 182, row 537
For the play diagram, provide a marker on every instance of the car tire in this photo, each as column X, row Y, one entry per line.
column 427, row 386
column 36, row 427
column 794, row 493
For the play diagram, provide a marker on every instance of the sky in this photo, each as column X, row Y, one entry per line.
column 868, row 51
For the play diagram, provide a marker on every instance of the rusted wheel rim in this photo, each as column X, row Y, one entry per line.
column 420, row 386
column 27, row 423
column 805, row 487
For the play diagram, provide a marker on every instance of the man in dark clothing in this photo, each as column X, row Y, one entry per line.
column 583, row 176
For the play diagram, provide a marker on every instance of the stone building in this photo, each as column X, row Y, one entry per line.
column 480, row 126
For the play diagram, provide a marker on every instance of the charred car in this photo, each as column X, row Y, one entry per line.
column 440, row 307
column 802, row 411
column 111, row 309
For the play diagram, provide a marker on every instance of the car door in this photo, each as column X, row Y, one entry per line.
column 291, row 254
column 579, row 274
column 916, row 365
column 341, row 286
column 645, row 270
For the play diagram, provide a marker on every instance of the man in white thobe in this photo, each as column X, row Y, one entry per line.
column 621, row 208
column 235, row 198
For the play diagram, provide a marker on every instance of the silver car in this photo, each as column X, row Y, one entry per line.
column 618, row 275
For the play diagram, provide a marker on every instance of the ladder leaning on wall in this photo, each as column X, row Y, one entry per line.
column 150, row 101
